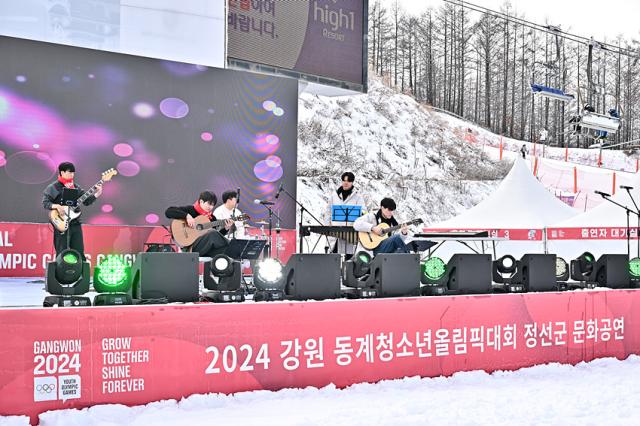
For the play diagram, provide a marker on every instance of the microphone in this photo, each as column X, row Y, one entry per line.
column 263, row 202
column 238, row 197
column 279, row 190
column 628, row 188
column 604, row 194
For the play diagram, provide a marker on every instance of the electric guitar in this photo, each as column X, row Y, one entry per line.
column 370, row 241
column 184, row 235
column 61, row 221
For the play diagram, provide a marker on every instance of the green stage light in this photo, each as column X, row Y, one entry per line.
column 433, row 270
column 112, row 276
column 634, row 267
column 70, row 257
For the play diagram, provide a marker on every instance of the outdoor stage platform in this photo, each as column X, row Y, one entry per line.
column 55, row 358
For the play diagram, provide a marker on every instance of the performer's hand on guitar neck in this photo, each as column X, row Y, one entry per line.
column 98, row 191
column 377, row 230
column 190, row 221
column 404, row 229
column 228, row 224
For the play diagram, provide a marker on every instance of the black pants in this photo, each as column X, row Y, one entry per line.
column 76, row 240
column 210, row 244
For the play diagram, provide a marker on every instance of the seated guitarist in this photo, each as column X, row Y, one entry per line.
column 211, row 243
column 369, row 223
column 51, row 199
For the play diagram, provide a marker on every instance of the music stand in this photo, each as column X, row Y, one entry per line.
column 345, row 213
column 245, row 249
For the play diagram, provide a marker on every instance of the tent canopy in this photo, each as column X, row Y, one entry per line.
column 520, row 202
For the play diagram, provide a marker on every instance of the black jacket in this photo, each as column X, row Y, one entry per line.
column 53, row 195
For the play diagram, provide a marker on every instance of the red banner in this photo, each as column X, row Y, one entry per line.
column 78, row 357
column 592, row 233
column 514, row 234
column 25, row 248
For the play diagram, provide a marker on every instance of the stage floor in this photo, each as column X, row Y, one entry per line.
column 21, row 292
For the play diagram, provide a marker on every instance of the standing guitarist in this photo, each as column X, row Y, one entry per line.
column 371, row 221
column 212, row 242
column 51, row 199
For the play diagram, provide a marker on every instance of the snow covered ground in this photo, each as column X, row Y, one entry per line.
column 604, row 391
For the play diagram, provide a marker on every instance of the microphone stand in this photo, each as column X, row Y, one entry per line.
column 302, row 210
column 271, row 214
column 629, row 211
column 638, row 228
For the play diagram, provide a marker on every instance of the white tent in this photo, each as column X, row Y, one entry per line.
column 606, row 214
column 520, row 202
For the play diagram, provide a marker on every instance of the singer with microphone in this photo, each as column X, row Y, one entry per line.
column 228, row 210
column 350, row 200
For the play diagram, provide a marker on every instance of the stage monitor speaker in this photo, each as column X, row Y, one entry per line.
column 612, row 270
column 166, row 275
column 469, row 274
column 539, row 272
column 395, row 274
column 313, row 276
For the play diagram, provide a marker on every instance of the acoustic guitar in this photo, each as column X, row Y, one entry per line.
column 370, row 241
column 61, row 221
column 184, row 235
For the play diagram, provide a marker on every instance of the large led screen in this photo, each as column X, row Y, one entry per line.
column 171, row 130
column 319, row 37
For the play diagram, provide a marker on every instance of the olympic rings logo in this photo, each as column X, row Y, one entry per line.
column 45, row 388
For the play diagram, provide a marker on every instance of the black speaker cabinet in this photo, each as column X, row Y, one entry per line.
column 538, row 272
column 170, row 275
column 612, row 270
column 395, row 274
column 313, row 276
column 469, row 274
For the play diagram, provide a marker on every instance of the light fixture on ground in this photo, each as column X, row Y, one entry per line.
column 112, row 280
column 582, row 268
column 222, row 277
column 634, row 271
column 506, row 273
column 66, row 280
column 355, row 272
column 433, row 276
column 268, row 279
column 562, row 273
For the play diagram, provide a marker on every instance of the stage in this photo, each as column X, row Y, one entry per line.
column 77, row 357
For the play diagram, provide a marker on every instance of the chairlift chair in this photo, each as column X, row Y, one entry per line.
column 550, row 92
column 595, row 121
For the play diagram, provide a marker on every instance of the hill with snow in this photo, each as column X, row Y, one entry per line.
column 433, row 164
column 396, row 148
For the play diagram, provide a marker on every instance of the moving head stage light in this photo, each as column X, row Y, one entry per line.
column 223, row 276
column 67, row 278
column 506, row 272
column 354, row 275
column 582, row 269
column 268, row 278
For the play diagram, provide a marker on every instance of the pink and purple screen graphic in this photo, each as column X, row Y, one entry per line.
column 171, row 130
